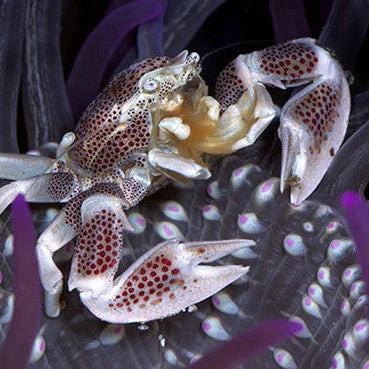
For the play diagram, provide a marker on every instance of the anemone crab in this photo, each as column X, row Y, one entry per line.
column 155, row 122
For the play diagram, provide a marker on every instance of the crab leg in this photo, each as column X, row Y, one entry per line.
column 51, row 187
column 57, row 234
column 166, row 280
column 18, row 166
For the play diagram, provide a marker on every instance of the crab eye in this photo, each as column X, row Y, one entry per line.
column 150, row 86
column 193, row 58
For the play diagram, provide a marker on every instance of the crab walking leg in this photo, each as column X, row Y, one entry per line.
column 166, row 280
column 51, row 187
column 18, row 166
column 313, row 126
column 100, row 243
column 56, row 235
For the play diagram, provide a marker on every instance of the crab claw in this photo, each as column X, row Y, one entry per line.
column 99, row 246
column 313, row 126
column 166, row 280
column 313, row 121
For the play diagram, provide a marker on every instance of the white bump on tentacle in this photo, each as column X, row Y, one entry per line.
column 284, row 359
column 214, row 329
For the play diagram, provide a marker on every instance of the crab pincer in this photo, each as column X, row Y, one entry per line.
column 99, row 246
column 313, row 126
column 165, row 280
column 313, row 121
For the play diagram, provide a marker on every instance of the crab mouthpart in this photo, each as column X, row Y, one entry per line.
column 187, row 126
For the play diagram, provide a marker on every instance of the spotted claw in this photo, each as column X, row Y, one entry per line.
column 166, row 280
column 313, row 126
column 313, row 121
column 99, row 246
